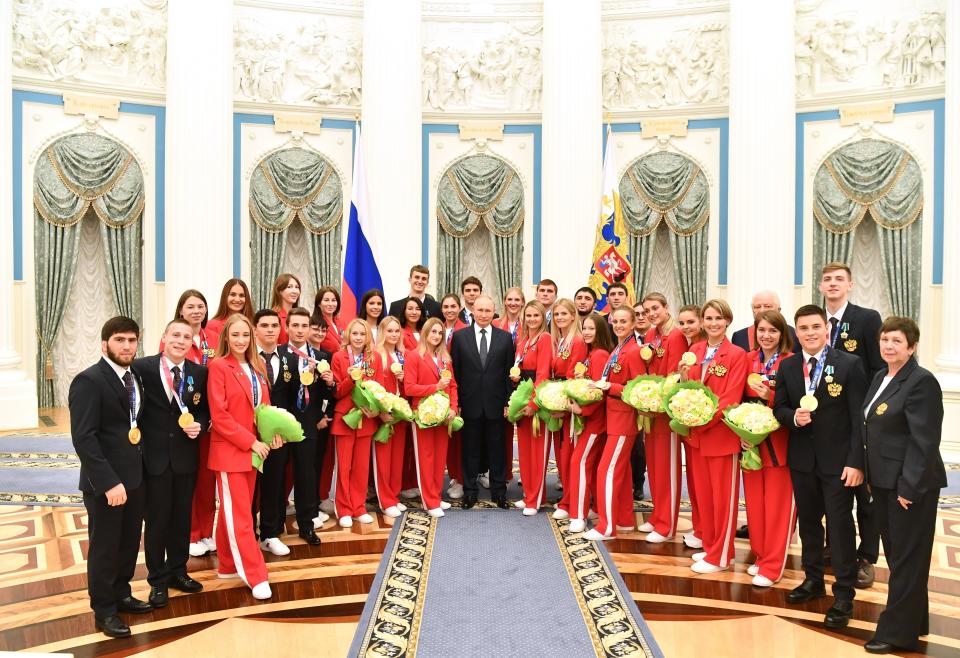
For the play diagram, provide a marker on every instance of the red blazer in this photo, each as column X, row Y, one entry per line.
column 674, row 344
column 775, row 446
column 283, row 339
column 715, row 439
column 563, row 367
column 594, row 415
column 233, row 432
column 331, row 341
column 420, row 379
column 621, row 417
column 213, row 330
column 388, row 379
column 410, row 340
column 539, row 358
column 503, row 323
column 458, row 324
column 339, row 366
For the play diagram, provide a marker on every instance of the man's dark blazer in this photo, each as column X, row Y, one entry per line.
column 430, row 305
column 483, row 391
column 903, row 435
column 863, row 337
column 164, row 442
column 99, row 424
column 284, row 391
column 833, row 440
column 741, row 338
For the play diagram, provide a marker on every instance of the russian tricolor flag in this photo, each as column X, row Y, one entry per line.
column 360, row 271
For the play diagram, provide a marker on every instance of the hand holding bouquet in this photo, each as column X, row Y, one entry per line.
column 367, row 395
column 434, row 410
column 399, row 410
column 272, row 421
column 645, row 394
column 751, row 422
column 518, row 400
column 689, row 404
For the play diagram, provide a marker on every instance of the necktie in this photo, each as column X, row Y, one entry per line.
column 811, row 366
column 469, row 317
column 131, row 391
column 833, row 327
column 268, row 361
column 177, row 380
column 483, row 347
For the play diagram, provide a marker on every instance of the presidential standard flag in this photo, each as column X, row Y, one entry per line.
column 611, row 257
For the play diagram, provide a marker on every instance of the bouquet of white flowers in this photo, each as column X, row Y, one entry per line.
column 645, row 394
column 752, row 422
column 582, row 391
column 550, row 398
column 367, row 394
column 399, row 410
column 689, row 404
column 433, row 411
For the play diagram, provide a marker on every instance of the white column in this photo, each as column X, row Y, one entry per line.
column 572, row 115
column 18, row 394
column 391, row 122
column 199, row 148
column 762, row 152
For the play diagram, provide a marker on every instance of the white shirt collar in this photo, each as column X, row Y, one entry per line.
column 120, row 370
column 807, row 357
column 171, row 364
column 839, row 314
column 261, row 348
column 477, row 328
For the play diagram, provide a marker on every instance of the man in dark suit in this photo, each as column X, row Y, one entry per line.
column 765, row 300
column 419, row 278
column 470, row 289
column 175, row 412
column 855, row 330
column 819, row 397
column 482, row 356
column 105, row 406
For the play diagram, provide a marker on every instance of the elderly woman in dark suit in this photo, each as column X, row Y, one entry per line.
column 902, row 424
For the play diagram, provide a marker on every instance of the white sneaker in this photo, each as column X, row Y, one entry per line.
column 198, row 549
column 696, row 557
column 753, row 569
column 436, row 512
column 320, row 519
column 228, row 576
column 210, row 543
column 345, row 522
column 762, row 581
column 455, row 490
column 577, row 525
column 559, row 514
column 444, row 504
column 261, row 591
column 595, row 535
column 690, row 540
column 328, row 506
column 484, row 480
column 275, row 546
column 655, row 538
column 702, row 566
column 646, row 526
column 529, row 511
column 365, row 518
column 401, row 507
column 392, row 512
column 519, row 504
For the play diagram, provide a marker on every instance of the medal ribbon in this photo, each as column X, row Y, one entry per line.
column 616, row 355
column 708, row 357
column 841, row 328
column 765, row 368
column 254, row 386
column 439, row 364
column 133, row 403
column 358, row 361
column 303, row 394
column 204, row 346
column 815, row 375
column 526, row 348
column 177, row 393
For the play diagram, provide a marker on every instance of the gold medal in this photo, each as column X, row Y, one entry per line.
column 287, row 376
column 617, row 367
column 515, row 371
column 396, row 368
column 850, row 345
column 660, row 352
column 688, row 358
column 580, row 369
column 356, row 374
column 322, row 366
column 645, row 353
column 834, row 390
column 844, row 335
column 446, row 374
column 185, row 419
column 754, row 379
column 828, row 379
column 719, row 370
column 369, row 372
column 134, row 435
column 565, row 354
column 881, row 408
column 209, row 352
column 306, row 378
column 196, row 398
column 809, row 403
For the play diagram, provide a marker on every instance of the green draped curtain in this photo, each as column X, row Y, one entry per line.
column 671, row 188
column 73, row 174
column 881, row 179
column 294, row 184
column 480, row 189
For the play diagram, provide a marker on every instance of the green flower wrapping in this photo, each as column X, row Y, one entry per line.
column 367, row 394
column 518, row 400
column 551, row 398
column 689, row 404
column 433, row 410
column 753, row 423
column 399, row 410
column 271, row 421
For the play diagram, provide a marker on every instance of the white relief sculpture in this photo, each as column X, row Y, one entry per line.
column 691, row 65
column 59, row 40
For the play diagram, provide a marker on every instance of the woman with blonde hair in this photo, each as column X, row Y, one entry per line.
column 570, row 350
column 511, row 322
column 388, row 457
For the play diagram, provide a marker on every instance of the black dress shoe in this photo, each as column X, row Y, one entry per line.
column 878, row 646
column 501, row 502
column 743, row 532
column 807, row 590
column 158, row 596
column 130, row 604
column 185, row 583
column 112, row 626
column 838, row 616
column 469, row 501
column 310, row 537
column 865, row 574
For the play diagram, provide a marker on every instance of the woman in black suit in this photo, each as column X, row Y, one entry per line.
column 902, row 425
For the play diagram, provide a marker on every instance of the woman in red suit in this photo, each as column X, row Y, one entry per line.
column 355, row 360
column 665, row 344
column 286, row 295
column 614, row 476
column 771, row 513
column 588, row 445
column 388, row 457
column 511, row 322
column 450, row 308
column 534, row 355
column 234, row 298
column 327, row 303
column 570, row 350
column 192, row 307
column 427, row 370
column 412, row 321
column 371, row 311
column 688, row 321
column 714, row 448
column 237, row 383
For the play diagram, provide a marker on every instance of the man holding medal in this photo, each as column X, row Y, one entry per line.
column 105, row 404
column 819, row 396
column 175, row 413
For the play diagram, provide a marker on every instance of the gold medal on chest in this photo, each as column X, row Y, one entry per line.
column 843, row 335
column 445, row 374
column 881, row 408
column 185, row 419
column 287, row 376
column 828, row 379
column 196, row 398
column 850, row 345
column 617, row 367
column 209, row 352
column 580, row 369
column 134, row 435
column 565, row 354
column 306, row 378
column 660, row 352
column 834, row 389
column 646, row 353
column 369, row 372
column 719, row 370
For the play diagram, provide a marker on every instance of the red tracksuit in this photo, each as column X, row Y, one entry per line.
column 663, row 446
column 534, row 355
column 566, row 357
column 512, row 328
column 352, row 467
column 716, row 451
column 614, row 474
column 331, row 344
column 421, row 374
column 388, row 457
column 231, row 397
column 586, row 448
column 771, row 512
